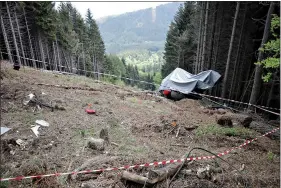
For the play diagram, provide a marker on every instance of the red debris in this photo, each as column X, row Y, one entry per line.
column 90, row 111
column 166, row 92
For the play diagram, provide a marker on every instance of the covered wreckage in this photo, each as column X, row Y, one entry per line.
column 183, row 82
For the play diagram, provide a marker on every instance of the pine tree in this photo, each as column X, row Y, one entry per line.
column 180, row 42
column 258, row 70
column 96, row 48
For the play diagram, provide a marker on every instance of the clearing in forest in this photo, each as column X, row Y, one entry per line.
column 141, row 129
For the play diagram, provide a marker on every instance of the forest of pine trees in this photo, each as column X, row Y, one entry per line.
column 58, row 39
column 38, row 35
column 240, row 40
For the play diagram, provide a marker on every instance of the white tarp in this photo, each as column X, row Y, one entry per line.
column 185, row 82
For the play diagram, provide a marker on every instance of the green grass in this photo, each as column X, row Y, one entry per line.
column 270, row 156
column 217, row 130
column 86, row 132
column 128, row 145
column 27, row 118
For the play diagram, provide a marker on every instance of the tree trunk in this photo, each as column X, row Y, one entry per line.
column 198, row 42
column 224, row 86
column 71, row 64
column 237, row 55
column 204, row 37
column 66, row 62
column 78, row 65
column 98, row 69
column 217, row 88
column 1, row 56
column 201, row 34
column 258, row 70
column 21, row 45
column 14, row 37
column 271, row 90
column 48, row 56
column 42, row 53
column 218, row 39
column 247, row 77
column 94, row 61
column 55, row 59
column 213, row 35
column 29, row 40
column 58, row 52
column 84, row 63
column 6, row 40
column 241, row 68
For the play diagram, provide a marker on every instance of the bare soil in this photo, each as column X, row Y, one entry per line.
column 144, row 128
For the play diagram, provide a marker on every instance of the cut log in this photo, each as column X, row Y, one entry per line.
column 136, row 178
column 154, row 176
column 164, row 173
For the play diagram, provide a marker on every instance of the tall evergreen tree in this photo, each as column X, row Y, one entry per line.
column 180, row 42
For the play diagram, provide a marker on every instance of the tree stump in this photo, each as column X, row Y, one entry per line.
column 230, row 119
column 104, row 135
column 96, row 144
column 224, row 120
column 242, row 119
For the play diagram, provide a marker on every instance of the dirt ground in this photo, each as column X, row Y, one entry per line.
column 144, row 128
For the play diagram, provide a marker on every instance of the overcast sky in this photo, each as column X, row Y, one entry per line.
column 102, row 9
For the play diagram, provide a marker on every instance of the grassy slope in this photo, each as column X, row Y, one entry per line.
column 139, row 124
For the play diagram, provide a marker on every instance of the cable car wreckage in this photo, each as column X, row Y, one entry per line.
column 180, row 83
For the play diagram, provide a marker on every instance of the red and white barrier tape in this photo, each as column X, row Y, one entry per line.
column 141, row 165
column 230, row 100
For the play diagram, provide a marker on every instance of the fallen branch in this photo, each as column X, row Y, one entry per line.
column 178, row 131
column 154, row 176
column 137, row 178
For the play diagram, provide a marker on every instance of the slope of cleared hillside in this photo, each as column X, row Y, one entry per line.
column 141, row 128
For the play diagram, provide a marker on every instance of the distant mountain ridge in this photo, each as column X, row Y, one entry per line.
column 142, row 29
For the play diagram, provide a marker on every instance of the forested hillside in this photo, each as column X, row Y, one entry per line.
column 59, row 39
column 240, row 40
column 38, row 35
column 143, row 29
